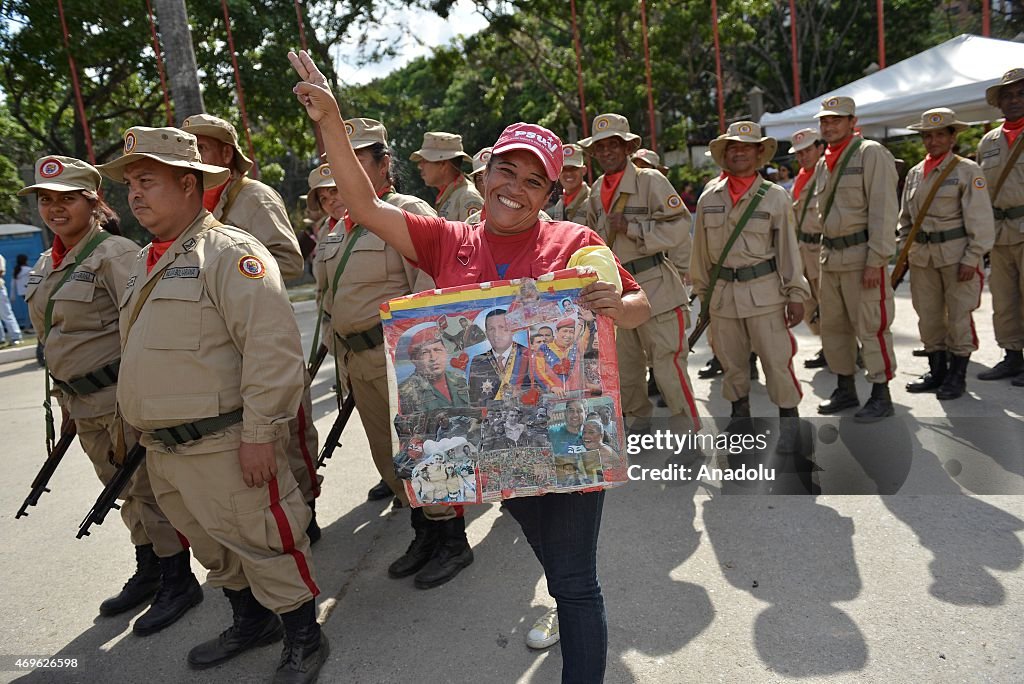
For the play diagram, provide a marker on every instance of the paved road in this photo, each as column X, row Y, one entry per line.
column 907, row 567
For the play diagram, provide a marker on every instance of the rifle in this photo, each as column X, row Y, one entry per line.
column 317, row 360
column 107, row 499
column 53, row 458
column 702, row 324
column 333, row 439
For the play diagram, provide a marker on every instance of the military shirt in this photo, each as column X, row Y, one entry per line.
column 768, row 234
column 84, row 334
column 577, row 209
column 216, row 334
column 993, row 153
column 417, row 394
column 657, row 222
column 459, row 200
column 807, row 208
column 962, row 200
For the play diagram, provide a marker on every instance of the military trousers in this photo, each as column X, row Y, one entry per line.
column 303, row 445
column 1006, row 282
column 944, row 307
column 851, row 314
column 244, row 536
column 767, row 336
column 139, row 509
column 810, row 255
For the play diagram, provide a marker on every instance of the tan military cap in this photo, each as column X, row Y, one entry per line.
column 649, row 159
column 171, row 146
column 365, row 133
column 321, row 177
column 938, row 118
column 1011, row 76
column 745, row 132
column 572, row 155
column 480, row 160
column 804, row 138
column 837, row 105
column 439, row 146
column 611, row 126
column 63, row 174
column 219, row 129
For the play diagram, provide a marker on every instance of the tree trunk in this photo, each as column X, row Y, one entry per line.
column 180, row 58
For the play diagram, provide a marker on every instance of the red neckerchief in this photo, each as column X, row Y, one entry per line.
column 1011, row 129
column 156, row 250
column 212, row 196
column 738, row 186
column 444, row 189
column 609, row 184
column 58, row 252
column 931, row 162
column 568, row 198
column 833, row 152
column 802, row 176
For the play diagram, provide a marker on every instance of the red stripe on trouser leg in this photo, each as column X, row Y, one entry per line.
column 883, row 324
column 287, row 540
column 183, row 539
column 687, row 392
column 300, row 420
column 792, row 353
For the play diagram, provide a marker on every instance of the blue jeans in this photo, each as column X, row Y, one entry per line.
column 563, row 531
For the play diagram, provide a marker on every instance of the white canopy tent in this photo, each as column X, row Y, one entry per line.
column 953, row 74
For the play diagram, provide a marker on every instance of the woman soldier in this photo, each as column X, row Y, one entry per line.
column 73, row 295
column 525, row 162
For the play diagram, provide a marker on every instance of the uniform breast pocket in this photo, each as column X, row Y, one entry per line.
column 78, row 311
column 175, row 315
column 946, row 203
column 368, row 262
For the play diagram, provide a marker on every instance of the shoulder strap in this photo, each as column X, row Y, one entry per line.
column 617, row 208
column 854, row 146
column 705, row 309
column 1018, row 145
column 901, row 260
column 233, row 194
column 807, row 199
column 86, row 251
column 357, row 232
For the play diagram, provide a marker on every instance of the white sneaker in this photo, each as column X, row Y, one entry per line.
column 544, row 632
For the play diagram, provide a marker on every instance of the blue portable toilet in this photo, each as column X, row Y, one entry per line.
column 15, row 239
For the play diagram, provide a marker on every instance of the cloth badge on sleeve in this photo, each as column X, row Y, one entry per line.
column 251, row 267
column 979, row 183
column 130, row 283
column 674, row 202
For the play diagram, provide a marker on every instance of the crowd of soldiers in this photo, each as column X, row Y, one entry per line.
column 190, row 346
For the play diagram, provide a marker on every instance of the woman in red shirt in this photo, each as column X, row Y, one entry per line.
column 511, row 243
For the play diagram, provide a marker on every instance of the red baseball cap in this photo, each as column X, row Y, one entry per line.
column 536, row 139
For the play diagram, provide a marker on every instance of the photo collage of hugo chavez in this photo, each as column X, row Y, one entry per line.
column 501, row 390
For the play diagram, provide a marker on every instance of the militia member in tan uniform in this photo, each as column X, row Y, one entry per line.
column 258, row 209
column 1006, row 279
column 760, row 289
column 642, row 218
column 575, row 192
column 479, row 164
column 858, row 240
column 211, row 375
column 649, row 159
column 808, row 148
column 945, row 258
column 83, row 276
column 440, row 163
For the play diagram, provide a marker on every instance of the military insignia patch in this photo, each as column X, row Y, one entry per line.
column 566, row 151
column 129, row 142
column 325, row 170
column 831, row 102
column 349, row 128
column 251, row 267
column 979, row 183
column 601, row 124
column 485, row 157
column 50, row 168
column 744, row 129
column 189, row 244
column 935, row 119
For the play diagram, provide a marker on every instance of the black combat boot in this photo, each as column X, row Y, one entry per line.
column 789, row 431
column 452, row 555
column 179, row 591
column 817, row 361
column 955, row 383
column 313, row 528
column 920, row 351
column 305, row 647
column 844, row 397
column 876, row 408
column 428, row 535
column 252, row 626
column 379, row 491
column 1012, row 364
column 933, row 379
column 740, row 417
column 140, row 587
column 710, row 369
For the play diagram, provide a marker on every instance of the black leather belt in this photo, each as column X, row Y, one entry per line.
column 747, row 272
column 368, row 339
column 844, row 241
column 190, row 432
column 809, row 238
column 644, row 263
column 1007, row 213
column 940, row 236
column 93, row 381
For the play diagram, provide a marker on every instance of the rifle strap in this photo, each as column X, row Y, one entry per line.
column 233, row 194
column 921, row 213
column 617, row 208
column 854, row 146
column 807, row 201
column 705, row 307
column 1018, row 146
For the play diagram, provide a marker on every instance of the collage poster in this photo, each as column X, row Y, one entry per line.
column 502, row 390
